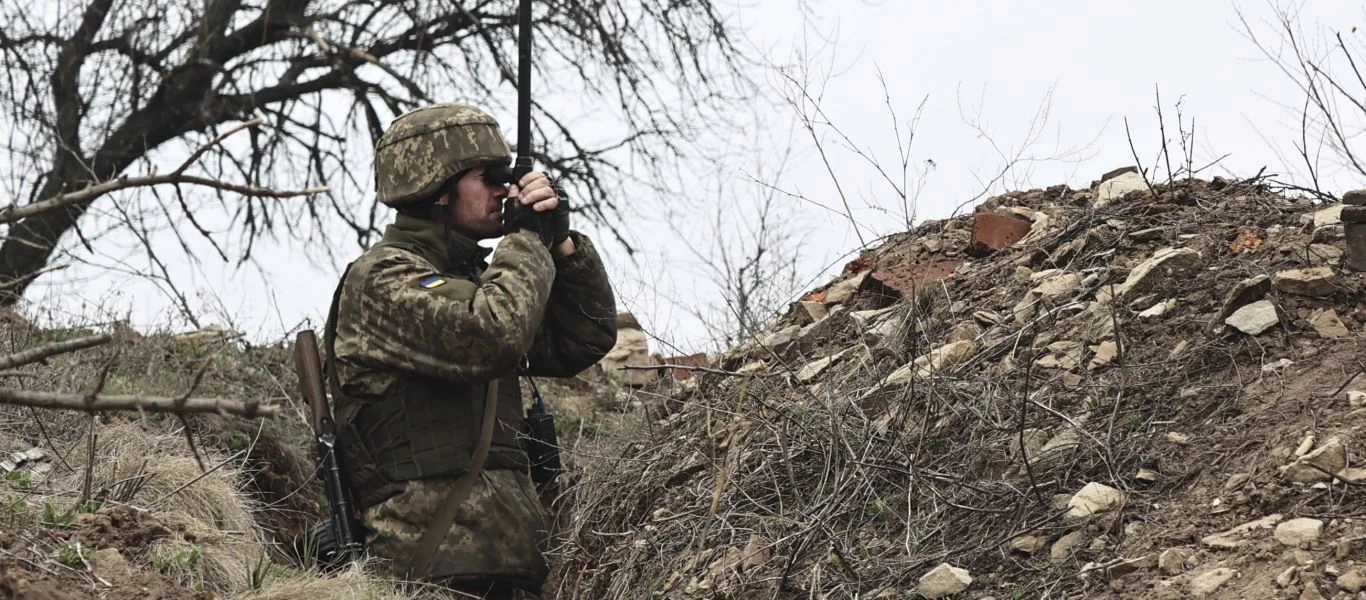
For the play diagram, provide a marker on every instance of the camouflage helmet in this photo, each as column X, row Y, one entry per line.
column 425, row 147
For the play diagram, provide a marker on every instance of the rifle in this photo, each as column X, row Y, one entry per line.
column 336, row 538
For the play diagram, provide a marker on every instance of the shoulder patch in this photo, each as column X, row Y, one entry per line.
column 432, row 282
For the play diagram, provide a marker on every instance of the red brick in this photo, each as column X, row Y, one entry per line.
column 992, row 232
column 906, row 277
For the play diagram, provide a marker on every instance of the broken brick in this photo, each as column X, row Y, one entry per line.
column 992, row 232
column 905, row 278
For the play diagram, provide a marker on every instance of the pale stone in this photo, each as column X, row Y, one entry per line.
column 1173, row 560
column 1092, row 499
column 814, row 369
column 1237, row 536
column 1164, row 263
column 1061, row 355
column 1206, row 583
column 1352, row 581
column 1356, row 399
column 1298, row 533
column 1063, row 547
column 1029, row 544
column 1116, row 187
column 1317, row 281
column 1325, row 254
column 1328, row 216
column 1330, row 457
column 110, row 565
column 1327, row 324
column 844, row 290
column 1159, row 309
column 1057, row 286
column 815, row 311
column 944, row 580
column 1255, row 318
column 864, row 318
column 632, row 348
column 1287, row 577
column 936, row 361
column 1104, row 354
column 967, row 331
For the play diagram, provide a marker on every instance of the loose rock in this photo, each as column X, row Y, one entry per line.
column 1287, row 577
column 1318, row 281
column 1328, row 216
column 1062, row 548
column 1299, row 533
column 1255, row 318
column 1173, row 560
column 1116, row 187
column 1164, row 264
column 1092, row 499
column 1246, row 292
column 1238, row 536
column 1327, row 324
column 944, row 580
column 1352, row 581
column 1029, row 544
column 1205, row 583
column 1330, row 457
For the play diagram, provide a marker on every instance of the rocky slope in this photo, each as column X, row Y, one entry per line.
column 1121, row 391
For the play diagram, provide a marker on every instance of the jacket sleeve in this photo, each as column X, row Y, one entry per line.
column 580, row 324
column 409, row 317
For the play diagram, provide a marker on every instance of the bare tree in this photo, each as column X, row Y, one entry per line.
column 90, row 88
column 1326, row 65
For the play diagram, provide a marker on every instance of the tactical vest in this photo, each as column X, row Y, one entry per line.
column 421, row 428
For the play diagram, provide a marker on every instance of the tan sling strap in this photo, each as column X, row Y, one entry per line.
column 445, row 515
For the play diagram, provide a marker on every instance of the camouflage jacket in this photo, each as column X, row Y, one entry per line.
column 409, row 305
column 422, row 326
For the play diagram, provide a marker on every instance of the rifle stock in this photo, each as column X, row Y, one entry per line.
column 308, row 364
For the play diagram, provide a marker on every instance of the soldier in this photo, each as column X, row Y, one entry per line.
column 426, row 343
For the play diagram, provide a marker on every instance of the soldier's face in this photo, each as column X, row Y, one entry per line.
column 478, row 210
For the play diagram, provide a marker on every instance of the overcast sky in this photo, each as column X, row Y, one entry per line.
column 1049, row 82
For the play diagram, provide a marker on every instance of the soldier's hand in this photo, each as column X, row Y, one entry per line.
column 534, row 190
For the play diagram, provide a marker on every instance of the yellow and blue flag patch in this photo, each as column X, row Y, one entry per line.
column 432, row 282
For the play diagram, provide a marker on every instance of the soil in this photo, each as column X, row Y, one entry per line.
column 129, row 530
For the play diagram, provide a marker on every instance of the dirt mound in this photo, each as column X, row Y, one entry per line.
column 1067, row 392
column 122, row 527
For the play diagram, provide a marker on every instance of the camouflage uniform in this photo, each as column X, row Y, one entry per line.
column 422, row 326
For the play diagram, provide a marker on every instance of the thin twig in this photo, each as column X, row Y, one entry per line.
column 693, row 368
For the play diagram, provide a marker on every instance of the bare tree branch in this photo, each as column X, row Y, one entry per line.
column 49, row 350
column 103, row 402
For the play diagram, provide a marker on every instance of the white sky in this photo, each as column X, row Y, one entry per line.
column 1101, row 61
